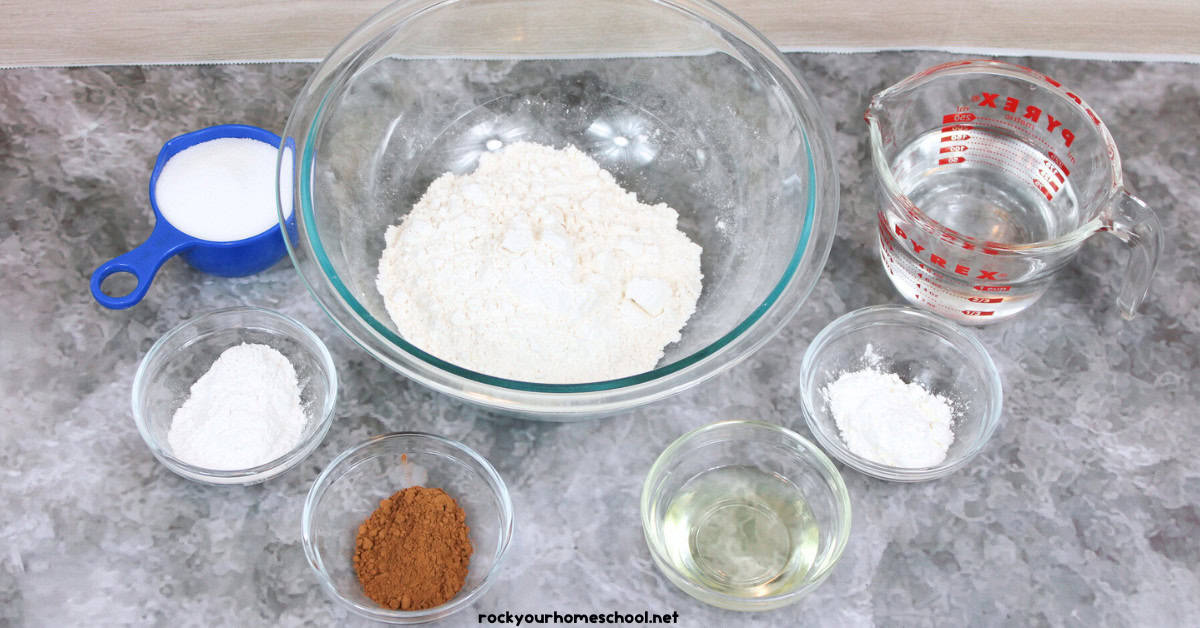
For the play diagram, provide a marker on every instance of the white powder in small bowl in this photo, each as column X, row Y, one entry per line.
column 885, row 420
column 243, row 412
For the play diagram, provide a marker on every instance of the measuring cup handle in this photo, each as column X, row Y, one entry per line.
column 142, row 262
column 1138, row 226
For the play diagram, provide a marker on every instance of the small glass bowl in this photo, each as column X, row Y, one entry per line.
column 165, row 376
column 351, row 487
column 944, row 358
column 775, row 450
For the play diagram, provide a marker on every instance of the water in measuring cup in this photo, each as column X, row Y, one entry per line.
column 993, row 193
column 994, row 187
column 741, row 531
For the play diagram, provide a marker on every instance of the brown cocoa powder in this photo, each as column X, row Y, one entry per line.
column 412, row 553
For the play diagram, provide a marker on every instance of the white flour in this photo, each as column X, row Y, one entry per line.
column 539, row 267
column 883, row 419
column 243, row 412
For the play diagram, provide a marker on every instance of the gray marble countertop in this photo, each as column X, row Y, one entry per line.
column 1084, row 509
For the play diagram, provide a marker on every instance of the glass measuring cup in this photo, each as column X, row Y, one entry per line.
column 233, row 258
column 990, row 177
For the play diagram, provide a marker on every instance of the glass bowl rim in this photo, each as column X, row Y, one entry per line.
column 496, row 486
column 824, row 467
column 914, row 320
column 267, row 470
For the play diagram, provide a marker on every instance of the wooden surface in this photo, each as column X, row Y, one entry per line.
column 80, row 32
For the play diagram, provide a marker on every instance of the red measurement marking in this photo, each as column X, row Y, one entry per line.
column 952, row 118
column 978, row 312
column 993, row 288
column 1037, row 183
column 1058, row 162
column 986, row 300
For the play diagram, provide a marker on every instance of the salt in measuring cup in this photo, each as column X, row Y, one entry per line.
column 233, row 258
column 990, row 178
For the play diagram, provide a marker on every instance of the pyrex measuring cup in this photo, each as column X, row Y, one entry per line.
column 990, row 177
column 227, row 259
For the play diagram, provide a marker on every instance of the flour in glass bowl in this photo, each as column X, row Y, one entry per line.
column 539, row 267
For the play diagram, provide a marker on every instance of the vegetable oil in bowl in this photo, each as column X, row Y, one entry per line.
column 741, row 531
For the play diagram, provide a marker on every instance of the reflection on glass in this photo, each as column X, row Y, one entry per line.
column 484, row 137
column 623, row 138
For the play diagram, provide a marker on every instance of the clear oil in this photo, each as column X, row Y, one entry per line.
column 741, row 531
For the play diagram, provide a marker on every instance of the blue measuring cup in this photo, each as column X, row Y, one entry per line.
column 234, row 258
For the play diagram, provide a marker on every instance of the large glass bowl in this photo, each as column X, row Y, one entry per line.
column 680, row 100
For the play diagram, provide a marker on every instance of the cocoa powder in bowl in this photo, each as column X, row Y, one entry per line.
column 413, row 552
